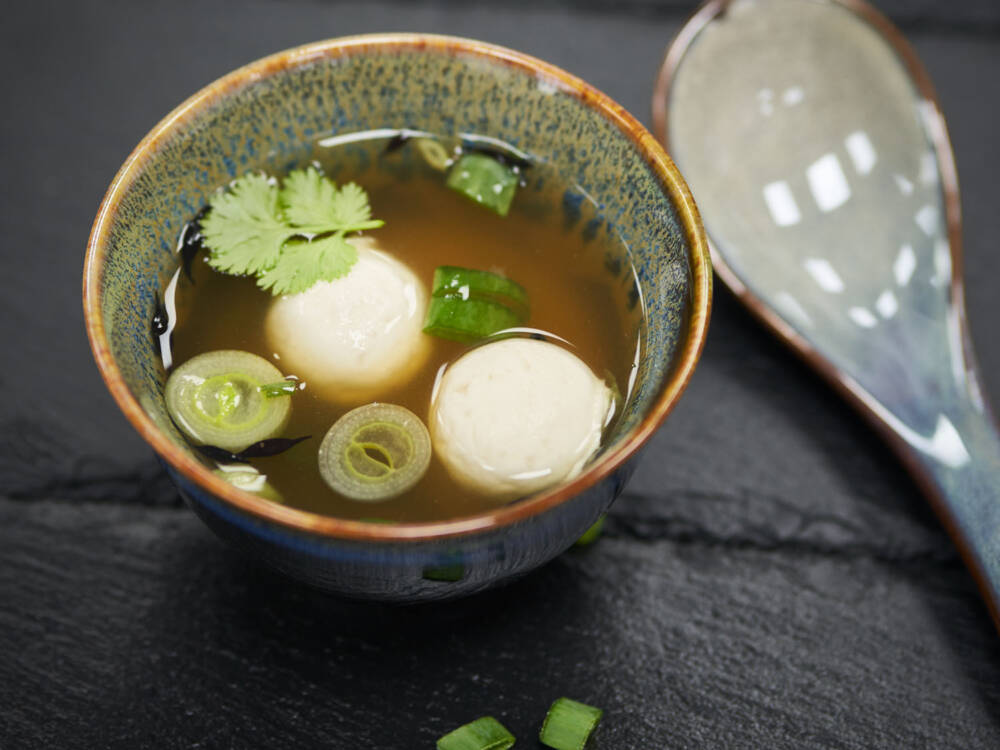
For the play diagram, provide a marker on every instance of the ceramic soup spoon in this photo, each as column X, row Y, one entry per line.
column 814, row 146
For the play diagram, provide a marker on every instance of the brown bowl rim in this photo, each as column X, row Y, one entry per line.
column 345, row 529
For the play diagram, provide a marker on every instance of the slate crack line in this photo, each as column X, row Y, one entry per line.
column 683, row 532
column 793, row 530
column 789, row 530
column 146, row 486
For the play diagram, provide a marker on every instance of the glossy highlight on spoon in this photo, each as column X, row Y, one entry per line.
column 826, row 181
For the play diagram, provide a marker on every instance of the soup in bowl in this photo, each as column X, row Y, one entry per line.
column 398, row 312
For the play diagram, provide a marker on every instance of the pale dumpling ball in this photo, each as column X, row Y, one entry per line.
column 352, row 338
column 517, row 416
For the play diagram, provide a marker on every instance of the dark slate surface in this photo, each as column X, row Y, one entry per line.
column 770, row 579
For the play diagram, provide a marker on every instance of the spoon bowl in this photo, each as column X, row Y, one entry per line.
column 812, row 140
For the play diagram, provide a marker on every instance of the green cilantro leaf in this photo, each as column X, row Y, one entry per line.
column 289, row 238
column 313, row 203
column 308, row 197
column 352, row 205
column 304, row 263
column 245, row 228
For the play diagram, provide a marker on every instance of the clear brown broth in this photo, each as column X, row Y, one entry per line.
column 573, row 295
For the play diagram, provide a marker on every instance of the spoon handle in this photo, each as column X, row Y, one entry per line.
column 959, row 468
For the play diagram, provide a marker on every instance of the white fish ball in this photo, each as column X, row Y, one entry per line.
column 516, row 416
column 352, row 338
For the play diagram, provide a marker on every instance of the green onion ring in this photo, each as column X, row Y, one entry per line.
column 568, row 724
column 375, row 452
column 485, row 733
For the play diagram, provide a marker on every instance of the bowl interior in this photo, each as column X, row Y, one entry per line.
column 270, row 115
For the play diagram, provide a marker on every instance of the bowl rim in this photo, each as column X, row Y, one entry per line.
column 308, row 522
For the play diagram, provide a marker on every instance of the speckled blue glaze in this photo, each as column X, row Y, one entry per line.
column 269, row 116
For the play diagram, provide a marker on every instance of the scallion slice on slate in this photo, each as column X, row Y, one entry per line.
column 467, row 304
column 568, row 724
column 215, row 399
column 485, row 733
column 592, row 534
column 485, row 181
column 449, row 570
column 375, row 452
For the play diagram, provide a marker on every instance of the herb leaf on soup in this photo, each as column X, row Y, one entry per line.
column 302, row 263
column 289, row 237
column 245, row 228
column 314, row 203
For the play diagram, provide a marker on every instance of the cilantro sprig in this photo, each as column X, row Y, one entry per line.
column 288, row 237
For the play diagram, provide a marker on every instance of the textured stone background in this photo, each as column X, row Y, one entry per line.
column 770, row 579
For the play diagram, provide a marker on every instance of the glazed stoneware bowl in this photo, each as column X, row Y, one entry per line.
column 268, row 115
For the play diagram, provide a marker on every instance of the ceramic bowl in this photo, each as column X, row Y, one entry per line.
column 268, row 115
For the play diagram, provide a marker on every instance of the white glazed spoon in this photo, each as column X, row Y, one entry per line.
column 814, row 146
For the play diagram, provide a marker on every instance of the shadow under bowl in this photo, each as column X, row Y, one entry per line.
column 268, row 115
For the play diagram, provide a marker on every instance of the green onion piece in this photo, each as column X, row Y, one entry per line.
column 215, row 399
column 467, row 305
column 568, row 724
column 592, row 534
column 248, row 479
column 467, row 320
column 471, row 283
column 433, row 153
column 281, row 388
column 484, row 180
column 485, row 733
column 447, row 571
column 375, row 452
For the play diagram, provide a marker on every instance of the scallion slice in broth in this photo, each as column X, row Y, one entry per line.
column 467, row 320
column 248, row 479
column 375, row 452
column 215, row 399
column 568, row 724
column 433, row 153
column 279, row 389
column 467, row 304
column 470, row 282
column 485, row 733
column 485, row 181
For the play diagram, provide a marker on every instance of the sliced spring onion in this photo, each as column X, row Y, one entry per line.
column 592, row 534
column 484, row 180
column 467, row 320
column 375, row 452
column 281, row 388
column 485, row 733
column 467, row 304
column 248, row 479
column 448, row 571
column 433, row 153
column 568, row 724
column 472, row 283
column 215, row 399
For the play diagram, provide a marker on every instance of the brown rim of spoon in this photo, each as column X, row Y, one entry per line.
column 704, row 15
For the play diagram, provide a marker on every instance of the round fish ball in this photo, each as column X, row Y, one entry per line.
column 352, row 338
column 516, row 416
